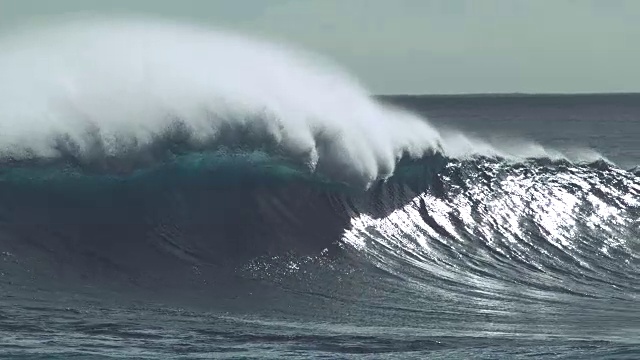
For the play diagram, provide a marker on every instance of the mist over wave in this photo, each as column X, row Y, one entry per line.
column 127, row 89
column 117, row 95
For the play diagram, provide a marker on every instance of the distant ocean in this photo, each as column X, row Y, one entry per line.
column 177, row 208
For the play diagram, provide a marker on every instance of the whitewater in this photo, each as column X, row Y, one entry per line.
column 169, row 190
column 113, row 89
column 109, row 89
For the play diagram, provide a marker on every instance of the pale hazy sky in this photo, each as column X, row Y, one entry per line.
column 420, row 46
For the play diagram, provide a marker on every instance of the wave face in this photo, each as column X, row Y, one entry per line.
column 216, row 210
column 552, row 225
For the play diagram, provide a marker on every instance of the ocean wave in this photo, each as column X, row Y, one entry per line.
column 147, row 152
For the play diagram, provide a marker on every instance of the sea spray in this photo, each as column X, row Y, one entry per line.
column 112, row 89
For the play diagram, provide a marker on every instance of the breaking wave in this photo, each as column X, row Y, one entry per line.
column 146, row 151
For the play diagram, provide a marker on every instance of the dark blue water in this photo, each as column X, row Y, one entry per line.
column 607, row 123
column 479, row 257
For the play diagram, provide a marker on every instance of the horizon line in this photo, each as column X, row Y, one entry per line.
column 507, row 94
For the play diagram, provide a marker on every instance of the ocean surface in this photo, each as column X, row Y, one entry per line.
column 140, row 221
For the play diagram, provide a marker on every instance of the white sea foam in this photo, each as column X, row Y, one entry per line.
column 126, row 82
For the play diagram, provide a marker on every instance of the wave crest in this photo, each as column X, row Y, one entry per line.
column 110, row 89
